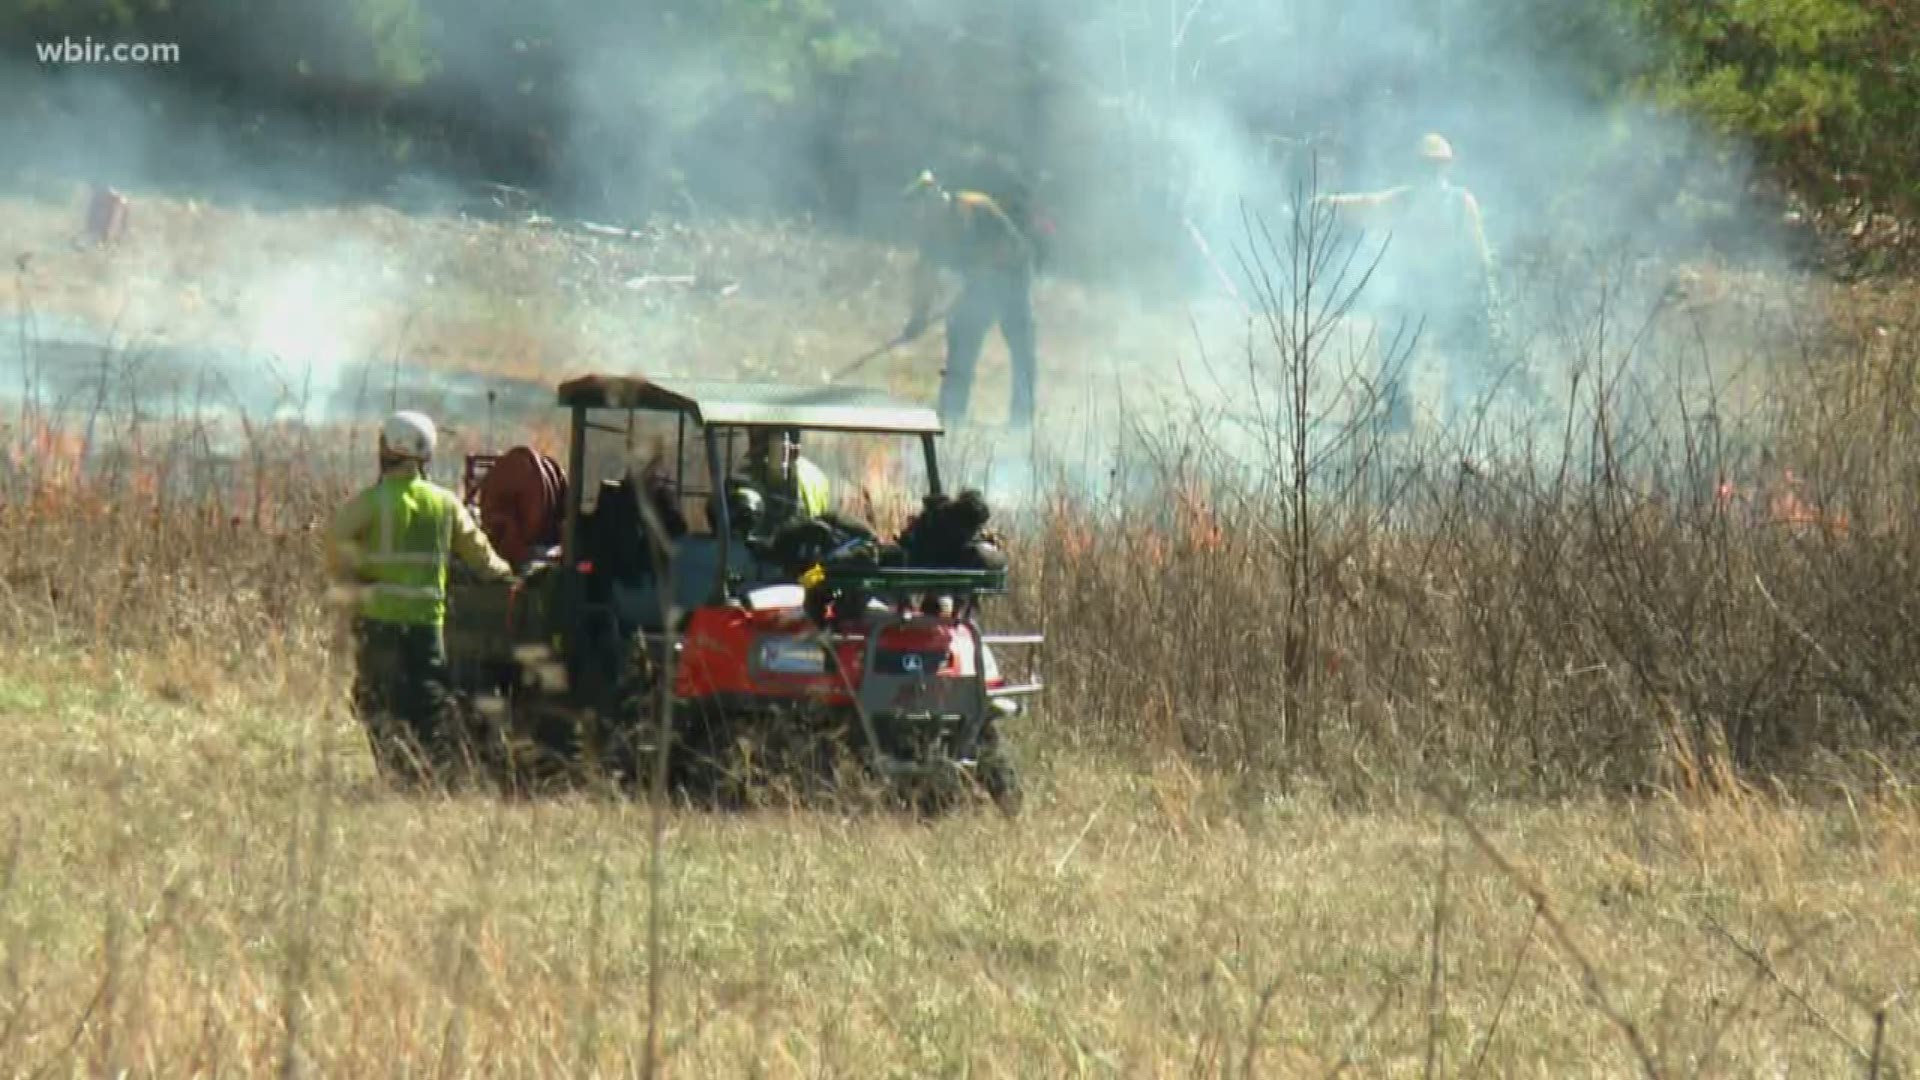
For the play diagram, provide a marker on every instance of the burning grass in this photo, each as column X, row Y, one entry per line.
column 1685, row 724
column 1522, row 634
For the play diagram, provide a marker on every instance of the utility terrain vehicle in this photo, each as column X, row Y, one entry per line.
column 788, row 654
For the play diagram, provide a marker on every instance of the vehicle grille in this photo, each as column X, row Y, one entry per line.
column 905, row 662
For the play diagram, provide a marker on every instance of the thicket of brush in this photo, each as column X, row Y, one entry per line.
column 1578, row 625
column 1656, row 594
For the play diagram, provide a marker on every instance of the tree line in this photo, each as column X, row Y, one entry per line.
column 842, row 92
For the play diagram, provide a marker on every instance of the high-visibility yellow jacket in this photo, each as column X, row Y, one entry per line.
column 973, row 234
column 812, row 482
column 1439, row 246
column 806, row 491
column 395, row 537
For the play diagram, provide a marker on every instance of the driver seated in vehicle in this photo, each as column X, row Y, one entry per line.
column 747, row 515
column 792, row 486
column 784, row 551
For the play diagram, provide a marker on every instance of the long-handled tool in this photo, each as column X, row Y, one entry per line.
column 898, row 340
column 1219, row 272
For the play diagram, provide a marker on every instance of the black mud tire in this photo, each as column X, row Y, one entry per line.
column 1002, row 782
column 707, row 768
column 541, row 747
column 726, row 761
column 630, row 739
column 478, row 746
column 998, row 775
column 397, row 759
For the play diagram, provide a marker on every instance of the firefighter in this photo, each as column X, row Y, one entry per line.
column 394, row 539
column 1437, row 272
column 974, row 234
column 789, row 482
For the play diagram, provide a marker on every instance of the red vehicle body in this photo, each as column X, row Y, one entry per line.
column 907, row 666
column 724, row 654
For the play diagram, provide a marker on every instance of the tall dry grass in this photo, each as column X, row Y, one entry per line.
column 1682, row 597
column 1589, row 623
column 215, row 887
column 200, row 876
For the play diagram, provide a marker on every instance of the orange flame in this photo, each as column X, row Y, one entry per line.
column 1199, row 528
column 1781, row 504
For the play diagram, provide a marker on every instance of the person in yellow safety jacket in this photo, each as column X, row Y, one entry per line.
column 1437, row 271
column 393, row 540
column 790, row 484
column 972, row 233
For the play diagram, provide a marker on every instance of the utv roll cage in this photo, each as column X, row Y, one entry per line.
column 719, row 409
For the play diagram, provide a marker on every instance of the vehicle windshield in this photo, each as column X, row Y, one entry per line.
column 624, row 445
column 873, row 478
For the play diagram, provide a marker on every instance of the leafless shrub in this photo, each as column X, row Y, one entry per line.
column 1622, row 599
column 1633, row 603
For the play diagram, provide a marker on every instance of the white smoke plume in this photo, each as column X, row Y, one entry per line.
column 1140, row 123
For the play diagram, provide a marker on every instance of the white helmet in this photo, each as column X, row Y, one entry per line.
column 408, row 434
column 1434, row 147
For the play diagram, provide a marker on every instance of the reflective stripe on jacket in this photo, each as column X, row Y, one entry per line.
column 814, row 494
column 395, row 538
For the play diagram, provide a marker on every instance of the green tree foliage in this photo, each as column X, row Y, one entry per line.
column 1828, row 88
column 247, row 42
column 395, row 35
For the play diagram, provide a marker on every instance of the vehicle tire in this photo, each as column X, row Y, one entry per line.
column 542, row 744
column 630, row 737
column 707, row 766
column 506, row 729
column 998, row 775
column 464, row 750
column 1002, row 782
column 396, row 760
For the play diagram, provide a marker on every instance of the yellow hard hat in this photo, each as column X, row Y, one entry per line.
column 924, row 184
column 1435, row 148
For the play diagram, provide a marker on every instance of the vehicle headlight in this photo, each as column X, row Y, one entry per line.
column 791, row 656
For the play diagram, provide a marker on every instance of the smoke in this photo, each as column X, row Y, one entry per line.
column 309, row 323
column 1139, row 124
column 1590, row 197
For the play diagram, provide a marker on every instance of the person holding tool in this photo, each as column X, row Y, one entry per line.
column 974, row 234
column 1437, row 273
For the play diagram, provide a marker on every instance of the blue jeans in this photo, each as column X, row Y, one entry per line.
column 989, row 297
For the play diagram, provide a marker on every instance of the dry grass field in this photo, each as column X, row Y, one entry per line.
column 207, row 880
column 1585, row 774
column 329, row 290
